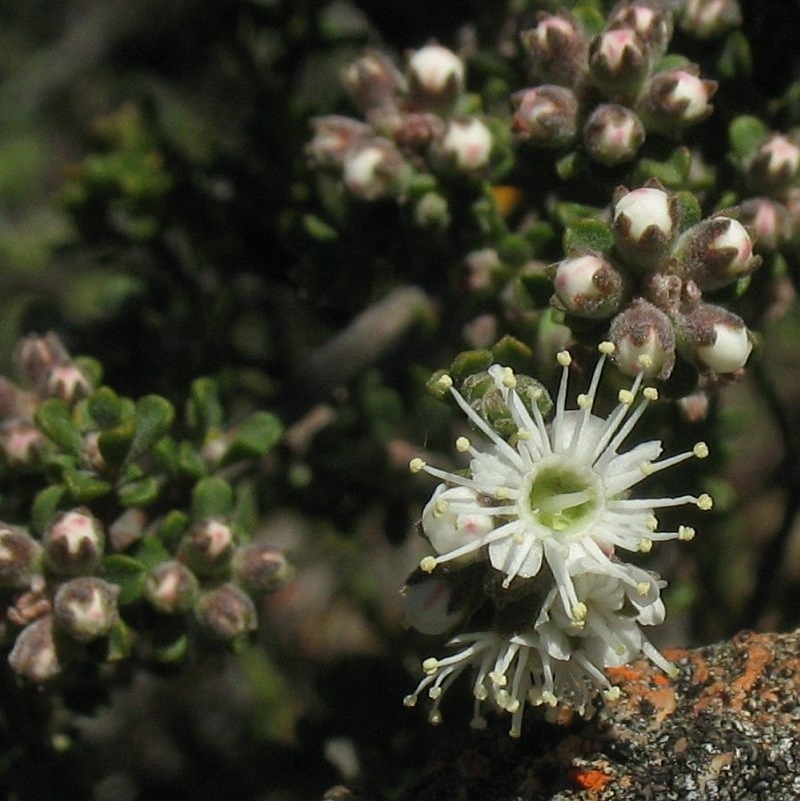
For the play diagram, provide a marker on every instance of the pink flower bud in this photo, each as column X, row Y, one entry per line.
column 372, row 81
column 769, row 220
column 706, row 19
column 618, row 61
column 674, row 100
column 644, row 341
column 435, row 76
column 466, row 145
column 373, row 169
column 418, row 130
column 261, row 568
column 776, row 163
column 558, row 48
column 653, row 25
column 226, row 613
column 36, row 356
column 73, row 543
column 334, row 137
column 644, row 222
column 613, row 134
column 171, row 587
column 20, row 557
column 207, row 547
column 715, row 339
column 715, row 252
column 21, row 443
column 429, row 606
column 34, row 655
column 589, row 285
column 446, row 527
column 86, row 608
column 66, row 381
column 545, row 115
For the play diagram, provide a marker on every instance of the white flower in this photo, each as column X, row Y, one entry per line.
column 556, row 494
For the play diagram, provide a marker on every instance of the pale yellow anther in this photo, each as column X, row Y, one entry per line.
column 440, row 507
column 480, row 692
column 430, row 665
column 462, row 444
column 434, row 693
column 645, row 545
column 619, row 650
column 652, row 522
column 673, row 672
column 427, row 564
column 416, row 465
column 606, row 348
column 643, row 587
column 612, row 693
column 509, row 379
column 444, row 381
column 584, row 401
column 646, row 468
column 645, row 361
column 650, row 393
column 435, row 717
column 518, row 538
column 579, row 612
column 512, row 706
column 502, row 493
column 523, row 433
column 549, row 698
column 410, row 700
column 498, row 678
column 563, row 358
column 625, row 397
column 700, row 450
column 685, row 533
column 705, row 502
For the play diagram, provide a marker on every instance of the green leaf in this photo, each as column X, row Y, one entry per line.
column 172, row 526
column 510, row 352
column 212, row 497
column 318, row 229
column 151, row 552
column 204, row 411
column 255, row 436
column 128, row 574
column 673, row 171
column 154, row 416
column 105, row 407
column 588, row 235
column 745, row 134
column 84, row 485
column 570, row 166
column 689, row 211
column 469, row 362
column 736, row 59
column 119, row 642
column 45, row 505
column 189, row 461
column 54, row 419
column 140, row 492
column 115, row 443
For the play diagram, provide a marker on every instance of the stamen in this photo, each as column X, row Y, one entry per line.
column 645, row 361
column 626, row 397
column 416, row 465
column 463, row 444
column 509, row 379
column 705, row 502
column 645, row 545
column 685, row 533
column 427, row 564
column 606, row 347
column 563, row 358
column 651, row 393
column 444, row 382
column 700, row 450
column 430, row 665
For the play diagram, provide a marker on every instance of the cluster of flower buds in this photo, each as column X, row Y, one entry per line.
column 76, row 577
column 609, row 91
column 649, row 284
column 418, row 127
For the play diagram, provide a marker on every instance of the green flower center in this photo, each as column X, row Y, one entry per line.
column 564, row 497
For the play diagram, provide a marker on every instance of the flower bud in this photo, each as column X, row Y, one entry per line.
column 618, row 61
column 769, row 220
column 334, row 137
column 653, row 25
column 644, row 341
column 127, row 529
column 446, row 527
column 372, row 81
column 707, row 19
column 73, row 543
column 171, row 587
column 429, row 606
column 589, row 285
column 21, row 443
column 34, row 655
column 418, row 130
column 260, row 568
column 20, row 557
column 559, row 49
column 714, row 339
column 435, row 76
column 613, row 134
column 482, row 267
column 66, row 381
column 207, row 547
column 432, row 211
column 715, row 252
column 86, row 608
column 466, row 145
column 644, row 222
column 226, row 613
column 36, row 356
column 373, row 169
column 546, row 115
column 776, row 163
column 674, row 100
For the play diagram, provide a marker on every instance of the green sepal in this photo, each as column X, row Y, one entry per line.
column 510, row 352
column 255, row 436
column 514, row 250
column 590, row 19
column 45, row 504
column 588, row 234
column 139, row 492
column 54, row 419
column 119, row 642
column 689, row 211
column 318, row 229
column 154, row 416
column 212, row 497
column 570, row 166
column 128, row 574
column 672, row 172
column 469, row 362
column 170, row 645
column 746, row 133
column 438, row 388
column 84, row 486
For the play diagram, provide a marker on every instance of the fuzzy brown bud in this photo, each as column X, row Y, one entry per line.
column 714, row 339
column 73, row 543
column 86, row 608
column 675, row 99
column 372, row 81
column 644, row 340
column 21, row 443
column 259, row 567
column 374, row 169
column 334, row 137
column 558, row 48
column 20, row 557
column 588, row 285
column 613, row 134
column 435, row 77
column 546, row 115
column 34, row 655
column 645, row 223
column 207, row 547
column 171, row 587
column 619, row 61
column 226, row 613
column 36, row 356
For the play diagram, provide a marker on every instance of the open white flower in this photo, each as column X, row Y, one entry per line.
column 555, row 494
